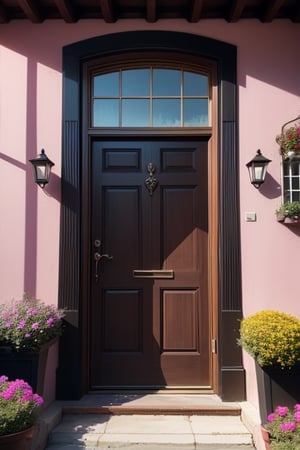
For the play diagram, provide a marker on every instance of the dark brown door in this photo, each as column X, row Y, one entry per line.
column 149, row 311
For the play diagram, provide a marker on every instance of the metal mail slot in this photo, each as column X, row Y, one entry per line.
column 156, row 273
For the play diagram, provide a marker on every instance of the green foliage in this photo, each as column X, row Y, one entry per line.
column 289, row 209
column 28, row 324
column 272, row 338
column 19, row 406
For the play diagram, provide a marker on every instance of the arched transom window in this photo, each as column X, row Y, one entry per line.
column 150, row 97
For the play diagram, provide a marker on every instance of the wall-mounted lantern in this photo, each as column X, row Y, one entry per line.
column 257, row 169
column 42, row 168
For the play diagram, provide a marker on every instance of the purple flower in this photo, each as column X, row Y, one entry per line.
column 35, row 326
column 6, row 315
column 31, row 311
column 27, row 335
column 271, row 417
column 3, row 378
column 297, row 407
column 21, row 324
column 7, row 324
column 50, row 322
column 282, row 410
column 288, row 426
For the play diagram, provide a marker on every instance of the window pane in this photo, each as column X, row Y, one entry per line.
column 295, row 167
column 286, row 183
column 195, row 112
column 166, row 113
column 106, row 85
column 166, row 82
column 295, row 183
column 106, row 113
column 194, row 84
column 286, row 168
column 136, row 83
column 295, row 197
column 136, row 113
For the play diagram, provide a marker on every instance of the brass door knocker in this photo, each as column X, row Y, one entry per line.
column 151, row 182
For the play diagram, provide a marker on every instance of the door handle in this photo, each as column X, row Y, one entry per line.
column 97, row 258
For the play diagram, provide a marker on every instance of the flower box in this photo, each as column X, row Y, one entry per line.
column 277, row 386
column 289, row 139
column 28, row 365
column 28, row 329
column 289, row 213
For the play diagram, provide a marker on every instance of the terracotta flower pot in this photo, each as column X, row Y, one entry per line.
column 17, row 441
column 266, row 438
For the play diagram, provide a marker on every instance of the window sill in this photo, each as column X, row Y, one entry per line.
column 288, row 220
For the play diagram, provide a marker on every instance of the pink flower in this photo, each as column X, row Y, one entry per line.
column 38, row 399
column 297, row 407
column 282, row 410
column 297, row 416
column 288, row 426
column 35, row 326
column 271, row 417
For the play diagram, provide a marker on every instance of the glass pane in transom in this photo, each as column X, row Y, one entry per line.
column 166, row 113
column 106, row 85
column 136, row 83
column 195, row 112
column 106, row 113
column 166, row 83
column 136, row 113
column 195, row 85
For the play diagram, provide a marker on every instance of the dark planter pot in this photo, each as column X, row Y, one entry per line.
column 277, row 387
column 28, row 366
column 17, row 441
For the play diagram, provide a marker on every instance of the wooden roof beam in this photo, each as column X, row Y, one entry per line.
column 271, row 10
column 3, row 14
column 296, row 16
column 107, row 11
column 236, row 10
column 66, row 10
column 31, row 10
column 196, row 9
column 151, row 11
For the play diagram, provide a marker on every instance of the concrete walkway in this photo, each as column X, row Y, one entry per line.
column 148, row 422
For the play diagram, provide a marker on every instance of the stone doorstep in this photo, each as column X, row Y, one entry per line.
column 52, row 417
column 163, row 431
column 154, row 410
column 152, row 404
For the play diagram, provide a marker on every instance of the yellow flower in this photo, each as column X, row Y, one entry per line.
column 272, row 338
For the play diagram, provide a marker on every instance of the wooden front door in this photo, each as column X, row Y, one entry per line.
column 149, row 308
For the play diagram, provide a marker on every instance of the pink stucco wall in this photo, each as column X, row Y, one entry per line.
column 30, row 116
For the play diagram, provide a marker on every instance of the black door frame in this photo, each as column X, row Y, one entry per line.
column 71, row 380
